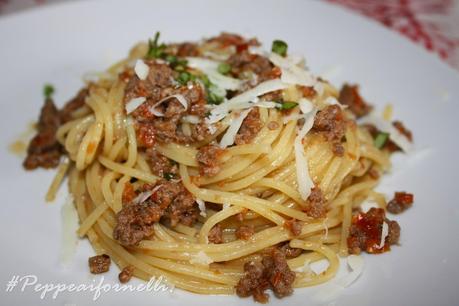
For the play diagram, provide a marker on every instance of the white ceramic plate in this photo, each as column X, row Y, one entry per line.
column 59, row 43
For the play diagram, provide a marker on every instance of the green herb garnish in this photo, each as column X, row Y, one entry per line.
column 184, row 77
column 213, row 98
column 48, row 91
column 224, row 68
column 279, row 47
column 155, row 50
column 287, row 105
column 381, row 139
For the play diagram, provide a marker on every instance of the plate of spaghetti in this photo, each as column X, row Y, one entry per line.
column 224, row 166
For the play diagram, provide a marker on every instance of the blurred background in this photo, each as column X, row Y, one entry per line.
column 432, row 24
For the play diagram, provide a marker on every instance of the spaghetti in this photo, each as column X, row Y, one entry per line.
column 201, row 162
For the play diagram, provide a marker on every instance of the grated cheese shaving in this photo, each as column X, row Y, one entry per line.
column 201, row 258
column 191, row 119
column 180, row 98
column 202, row 207
column 141, row 69
column 133, row 104
column 235, row 125
column 291, row 72
column 305, row 183
column 384, row 233
column 245, row 100
column 210, row 68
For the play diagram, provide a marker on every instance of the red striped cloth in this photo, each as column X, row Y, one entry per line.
column 433, row 24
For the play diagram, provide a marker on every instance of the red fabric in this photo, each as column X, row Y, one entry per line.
column 433, row 24
column 430, row 23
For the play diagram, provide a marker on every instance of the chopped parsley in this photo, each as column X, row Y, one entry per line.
column 155, row 50
column 280, row 47
column 381, row 139
column 213, row 98
column 287, row 105
column 224, row 68
column 184, row 77
column 48, row 91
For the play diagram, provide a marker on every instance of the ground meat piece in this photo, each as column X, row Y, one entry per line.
column 271, row 273
column 249, row 128
column 244, row 232
column 44, row 150
column 401, row 202
column 228, row 39
column 289, row 251
column 366, row 230
column 187, row 49
column 135, row 222
column 308, row 91
column 99, row 264
column 160, row 76
column 170, row 201
column 160, row 164
column 200, row 131
column 244, row 65
column 402, row 129
column 331, row 122
column 216, row 234
column 294, row 226
column 316, row 204
column 129, row 193
column 394, row 232
column 126, row 274
column 208, row 159
column 78, row 101
column 349, row 95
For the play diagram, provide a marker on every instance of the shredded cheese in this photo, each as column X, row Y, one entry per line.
column 210, row 68
column 384, row 234
column 305, row 182
column 202, row 207
column 179, row 97
column 133, row 104
column 291, row 72
column 246, row 99
column 201, row 258
column 191, row 119
column 235, row 125
column 141, row 69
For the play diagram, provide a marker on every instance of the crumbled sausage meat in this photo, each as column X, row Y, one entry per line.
column 245, row 65
column 349, row 95
column 271, row 273
column 159, row 164
column 250, row 127
column 366, row 231
column 401, row 202
column 159, row 85
column 244, row 232
column 216, row 234
column 294, row 226
column 44, row 150
column 316, row 204
column 208, row 159
column 289, row 251
column 126, row 274
column 332, row 124
column 170, row 201
column 99, row 264
column 78, row 101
